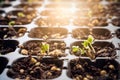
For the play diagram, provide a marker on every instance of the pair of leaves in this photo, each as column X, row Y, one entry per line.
column 77, row 49
column 85, row 44
column 88, row 41
column 44, row 47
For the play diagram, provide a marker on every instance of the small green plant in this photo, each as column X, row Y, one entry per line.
column 87, row 48
column 44, row 47
column 12, row 31
column 20, row 14
column 11, row 23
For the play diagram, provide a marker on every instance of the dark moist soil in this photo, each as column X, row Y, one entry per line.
column 98, row 33
column 102, row 69
column 35, row 68
column 7, row 46
column 114, row 5
column 57, row 48
column 101, row 34
column 118, row 33
column 18, row 21
column 113, row 0
column 3, row 63
column 103, row 49
column 52, row 22
column 53, row 33
column 5, row 20
column 116, row 22
column 7, row 0
column 114, row 12
column 5, row 5
column 2, row 12
column 8, row 32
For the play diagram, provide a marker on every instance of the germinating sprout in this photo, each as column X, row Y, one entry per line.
column 44, row 47
column 20, row 14
column 87, row 47
column 11, row 23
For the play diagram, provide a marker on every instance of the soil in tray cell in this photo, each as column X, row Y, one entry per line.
column 3, row 63
column 101, row 69
column 52, row 22
column 7, row 46
column 102, row 49
column 80, row 33
column 21, row 16
column 5, row 5
column 116, row 22
column 114, row 5
column 52, row 33
column 98, row 33
column 93, row 22
column 118, row 33
column 8, row 32
column 42, row 48
column 101, row 34
column 34, row 68
column 2, row 12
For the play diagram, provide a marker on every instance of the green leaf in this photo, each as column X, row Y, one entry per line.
column 44, row 47
column 75, row 48
column 11, row 23
column 85, row 44
column 20, row 14
column 90, row 39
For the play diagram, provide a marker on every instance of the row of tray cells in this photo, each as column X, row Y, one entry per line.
column 57, row 21
column 57, row 33
column 97, row 10
column 51, row 68
column 22, row 17
column 56, row 48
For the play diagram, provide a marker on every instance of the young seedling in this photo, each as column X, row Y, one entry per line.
column 11, row 23
column 44, row 48
column 11, row 31
column 87, row 48
column 20, row 14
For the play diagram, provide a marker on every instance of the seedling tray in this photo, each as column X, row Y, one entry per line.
column 61, row 24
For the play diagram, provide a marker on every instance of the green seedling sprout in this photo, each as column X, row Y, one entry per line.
column 44, row 47
column 11, row 29
column 87, row 48
column 11, row 23
column 75, row 49
column 20, row 14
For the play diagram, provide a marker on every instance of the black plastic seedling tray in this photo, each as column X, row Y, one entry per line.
column 61, row 24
